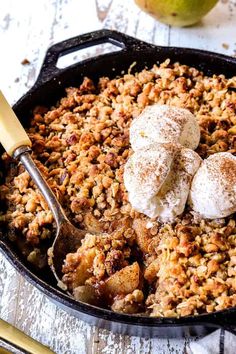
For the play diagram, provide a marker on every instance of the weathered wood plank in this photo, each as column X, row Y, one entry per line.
column 20, row 43
column 126, row 17
column 103, row 6
column 9, row 289
column 24, row 33
column 216, row 31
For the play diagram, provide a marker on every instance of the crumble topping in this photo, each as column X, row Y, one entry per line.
column 81, row 146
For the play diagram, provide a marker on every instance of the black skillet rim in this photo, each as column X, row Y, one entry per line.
column 219, row 318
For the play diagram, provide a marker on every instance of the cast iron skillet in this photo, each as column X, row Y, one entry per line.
column 47, row 89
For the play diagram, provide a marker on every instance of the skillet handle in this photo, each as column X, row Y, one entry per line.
column 49, row 68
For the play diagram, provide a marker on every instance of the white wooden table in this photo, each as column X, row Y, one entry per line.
column 27, row 29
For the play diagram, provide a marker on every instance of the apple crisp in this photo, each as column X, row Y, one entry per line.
column 127, row 262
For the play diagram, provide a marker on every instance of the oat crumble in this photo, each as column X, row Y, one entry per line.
column 81, row 145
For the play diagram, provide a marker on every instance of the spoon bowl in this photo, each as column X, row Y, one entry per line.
column 18, row 145
column 67, row 240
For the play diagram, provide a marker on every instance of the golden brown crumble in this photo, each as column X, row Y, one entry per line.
column 81, row 146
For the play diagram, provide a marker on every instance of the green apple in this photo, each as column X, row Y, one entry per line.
column 177, row 12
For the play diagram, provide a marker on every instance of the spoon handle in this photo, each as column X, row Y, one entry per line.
column 12, row 134
column 23, row 154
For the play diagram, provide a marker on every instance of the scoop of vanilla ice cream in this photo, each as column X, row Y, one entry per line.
column 213, row 190
column 171, row 199
column 158, row 179
column 144, row 174
column 163, row 123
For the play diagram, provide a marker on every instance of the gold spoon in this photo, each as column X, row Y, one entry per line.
column 15, row 341
column 18, row 145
